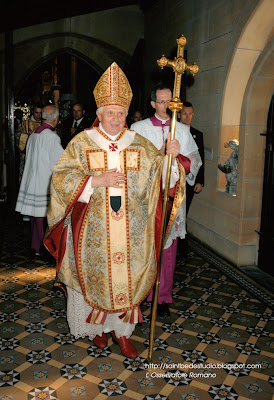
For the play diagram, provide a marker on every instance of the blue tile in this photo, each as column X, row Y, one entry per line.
column 7, row 360
column 37, row 341
column 105, row 367
column 78, row 391
column 40, row 374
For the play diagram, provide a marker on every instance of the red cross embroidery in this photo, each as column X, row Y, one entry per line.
column 113, row 147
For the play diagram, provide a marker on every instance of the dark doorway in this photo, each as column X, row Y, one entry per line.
column 72, row 77
column 266, row 243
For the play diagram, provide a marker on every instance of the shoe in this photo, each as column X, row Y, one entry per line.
column 181, row 254
column 101, row 341
column 182, row 248
column 127, row 348
column 47, row 257
column 183, row 260
column 163, row 311
column 33, row 254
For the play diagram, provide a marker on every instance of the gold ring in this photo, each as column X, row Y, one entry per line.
column 117, row 183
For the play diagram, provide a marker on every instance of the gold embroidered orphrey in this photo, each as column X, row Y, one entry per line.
column 113, row 88
column 117, row 268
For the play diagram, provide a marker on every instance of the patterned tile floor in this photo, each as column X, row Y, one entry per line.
column 218, row 318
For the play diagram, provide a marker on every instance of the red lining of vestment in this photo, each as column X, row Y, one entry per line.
column 55, row 238
column 77, row 217
column 62, row 249
column 185, row 161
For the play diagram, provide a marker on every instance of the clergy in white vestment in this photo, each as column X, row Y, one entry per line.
column 42, row 153
column 156, row 130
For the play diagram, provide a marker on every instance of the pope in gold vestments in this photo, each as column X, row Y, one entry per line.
column 113, row 262
column 105, row 238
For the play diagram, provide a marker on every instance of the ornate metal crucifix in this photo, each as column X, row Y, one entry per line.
column 179, row 66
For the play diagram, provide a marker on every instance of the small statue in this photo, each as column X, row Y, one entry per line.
column 230, row 167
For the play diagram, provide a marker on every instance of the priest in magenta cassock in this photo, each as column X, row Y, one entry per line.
column 105, row 210
column 156, row 130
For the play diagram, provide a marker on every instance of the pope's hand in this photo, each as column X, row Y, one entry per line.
column 172, row 147
column 111, row 178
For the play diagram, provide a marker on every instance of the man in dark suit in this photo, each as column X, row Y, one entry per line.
column 186, row 116
column 74, row 124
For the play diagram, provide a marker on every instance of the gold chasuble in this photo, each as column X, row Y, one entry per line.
column 105, row 249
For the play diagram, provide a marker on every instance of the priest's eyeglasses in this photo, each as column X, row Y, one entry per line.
column 162, row 102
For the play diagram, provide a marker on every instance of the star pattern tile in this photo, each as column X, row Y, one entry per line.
column 222, row 392
column 215, row 318
column 112, row 387
column 73, row 371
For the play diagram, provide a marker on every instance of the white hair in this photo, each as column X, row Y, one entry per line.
column 100, row 109
column 50, row 113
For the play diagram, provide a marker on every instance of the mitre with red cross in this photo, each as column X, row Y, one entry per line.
column 113, row 88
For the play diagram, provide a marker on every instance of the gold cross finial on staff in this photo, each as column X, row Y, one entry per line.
column 179, row 67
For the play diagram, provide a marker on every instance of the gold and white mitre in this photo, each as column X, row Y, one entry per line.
column 113, row 88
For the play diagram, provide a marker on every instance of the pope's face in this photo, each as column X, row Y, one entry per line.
column 113, row 119
column 163, row 98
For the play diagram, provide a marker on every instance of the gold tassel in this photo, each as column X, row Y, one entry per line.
column 99, row 317
column 136, row 315
column 126, row 319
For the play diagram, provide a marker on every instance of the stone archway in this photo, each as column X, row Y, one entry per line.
column 254, row 38
column 254, row 114
column 51, row 55
column 248, row 91
column 76, row 75
column 29, row 54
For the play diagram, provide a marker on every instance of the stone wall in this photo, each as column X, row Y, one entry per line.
column 97, row 38
column 231, row 42
column 100, row 37
column 218, row 31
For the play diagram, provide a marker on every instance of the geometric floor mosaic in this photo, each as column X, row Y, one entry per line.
column 217, row 344
column 234, row 273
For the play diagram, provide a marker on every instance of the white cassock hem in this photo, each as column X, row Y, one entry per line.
column 78, row 311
